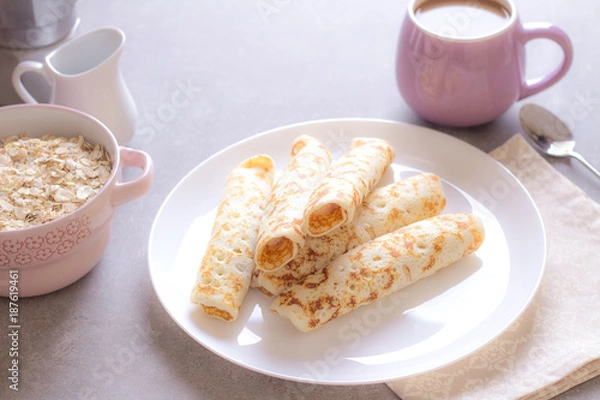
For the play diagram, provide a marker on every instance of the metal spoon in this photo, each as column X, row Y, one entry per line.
column 550, row 134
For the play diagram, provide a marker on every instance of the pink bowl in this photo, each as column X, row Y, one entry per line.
column 51, row 256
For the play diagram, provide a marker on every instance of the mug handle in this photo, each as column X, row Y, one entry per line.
column 20, row 69
column 127, row 191
column 544, row 30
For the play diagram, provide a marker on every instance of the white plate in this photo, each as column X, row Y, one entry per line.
column 432, row 323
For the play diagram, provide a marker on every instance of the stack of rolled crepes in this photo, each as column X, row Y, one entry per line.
column 323, row 239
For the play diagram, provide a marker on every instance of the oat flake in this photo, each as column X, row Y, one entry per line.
column 44, row 178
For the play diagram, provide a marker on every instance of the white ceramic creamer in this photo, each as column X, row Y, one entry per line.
column 84, row 74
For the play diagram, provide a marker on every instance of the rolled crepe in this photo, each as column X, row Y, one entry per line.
column 226, row 270
column 384, row 210
column 346, row 184
column 280, row 233
column 379, row 268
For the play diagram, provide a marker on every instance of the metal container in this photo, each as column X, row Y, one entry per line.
column 28, row 24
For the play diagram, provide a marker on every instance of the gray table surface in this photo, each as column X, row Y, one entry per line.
column 250, row 66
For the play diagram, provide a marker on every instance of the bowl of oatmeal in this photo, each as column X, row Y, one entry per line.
column 60, row 184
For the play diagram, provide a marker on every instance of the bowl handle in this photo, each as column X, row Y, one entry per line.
column 127, row 191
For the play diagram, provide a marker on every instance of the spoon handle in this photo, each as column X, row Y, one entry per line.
column 579, row 157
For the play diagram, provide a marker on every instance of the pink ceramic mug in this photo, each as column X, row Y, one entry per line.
column 53, row 255
column 457, row 81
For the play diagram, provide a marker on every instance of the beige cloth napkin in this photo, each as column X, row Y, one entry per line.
column 555, row 344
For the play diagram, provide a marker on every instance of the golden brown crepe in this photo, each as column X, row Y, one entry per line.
column 379, row 268
column 384, row 210
column 280, row 233
column 226, row 270
column 346, row 184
